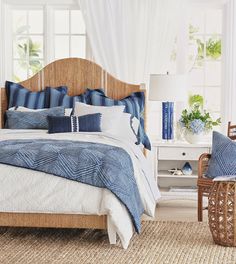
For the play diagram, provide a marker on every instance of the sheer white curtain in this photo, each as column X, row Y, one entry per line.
column 131, row 38
column 229, row 64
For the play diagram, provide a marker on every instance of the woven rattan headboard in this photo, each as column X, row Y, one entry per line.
column 77, row 74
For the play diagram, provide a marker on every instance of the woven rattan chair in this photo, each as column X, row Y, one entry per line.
column 204, row 184
column 231, row 131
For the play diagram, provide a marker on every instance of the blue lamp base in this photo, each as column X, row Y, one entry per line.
column 167, row 120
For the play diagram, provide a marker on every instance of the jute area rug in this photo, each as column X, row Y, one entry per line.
column 160, row 242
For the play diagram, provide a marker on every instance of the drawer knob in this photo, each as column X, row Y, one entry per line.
column 183, row 153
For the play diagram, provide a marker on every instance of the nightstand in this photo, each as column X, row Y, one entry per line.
column 169, row 155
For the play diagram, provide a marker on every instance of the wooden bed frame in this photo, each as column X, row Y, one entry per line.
column 77, row 74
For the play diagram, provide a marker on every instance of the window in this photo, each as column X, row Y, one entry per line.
column 70, row 38
column 41, row 34
column 197, row 51
column 27, row 43
column 205, row 35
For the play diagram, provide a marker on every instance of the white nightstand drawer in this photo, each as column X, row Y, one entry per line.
column 180, row 153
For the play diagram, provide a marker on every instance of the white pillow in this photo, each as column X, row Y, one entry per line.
column 126, row 128
column 25, row 109
column 110, row 114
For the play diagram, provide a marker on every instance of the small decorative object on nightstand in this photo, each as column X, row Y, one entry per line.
column 176, row 171
column 187, row 169
column 168, row 89
column 196, row 122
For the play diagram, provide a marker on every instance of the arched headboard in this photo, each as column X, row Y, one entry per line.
column 77, row 74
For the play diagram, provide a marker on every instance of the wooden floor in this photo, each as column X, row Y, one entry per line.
column 177, row 210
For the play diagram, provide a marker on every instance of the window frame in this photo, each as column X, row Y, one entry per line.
column 11, row 55
column 183, row 44
column 69, row 8
column 205, row 36
column 48, row 8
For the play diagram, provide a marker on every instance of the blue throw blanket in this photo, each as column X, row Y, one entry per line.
column 96, row 164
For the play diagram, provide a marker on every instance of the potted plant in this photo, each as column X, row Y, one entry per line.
column 195, row 121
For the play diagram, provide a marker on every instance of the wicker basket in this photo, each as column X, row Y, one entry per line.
column 222, row 213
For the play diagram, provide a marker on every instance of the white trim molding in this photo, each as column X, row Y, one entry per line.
column 1, row 43
column 229, row 64
column 42, row 2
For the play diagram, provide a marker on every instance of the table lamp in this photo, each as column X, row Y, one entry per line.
column 168, row 88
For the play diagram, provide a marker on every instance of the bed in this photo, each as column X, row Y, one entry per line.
column 23, row 204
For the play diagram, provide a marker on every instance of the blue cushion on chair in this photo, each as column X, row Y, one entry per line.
column 223, row 157
column 86, row 123
column 17, row 95
column 134, row 104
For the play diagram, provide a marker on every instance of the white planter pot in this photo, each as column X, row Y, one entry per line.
column 194, row 138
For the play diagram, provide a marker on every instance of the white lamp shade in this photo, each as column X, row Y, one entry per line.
column 168, row 88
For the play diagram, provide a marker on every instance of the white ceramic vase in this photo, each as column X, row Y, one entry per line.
column 194, row 138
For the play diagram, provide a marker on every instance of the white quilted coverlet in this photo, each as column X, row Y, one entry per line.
column 24, row 190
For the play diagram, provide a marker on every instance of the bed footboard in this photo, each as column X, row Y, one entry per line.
column 53, row 220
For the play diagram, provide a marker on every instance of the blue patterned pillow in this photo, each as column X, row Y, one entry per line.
column 32, row 120
column 86, row 123
column 134, row 104
column 17, row 95
column 223, row 157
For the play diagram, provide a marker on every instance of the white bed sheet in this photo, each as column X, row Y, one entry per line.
column 24, row 190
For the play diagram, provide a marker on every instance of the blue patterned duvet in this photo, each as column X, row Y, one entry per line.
column 96, row 164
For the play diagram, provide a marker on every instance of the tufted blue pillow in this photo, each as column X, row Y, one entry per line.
column 32, row 120
column 86, row 123
column 134, row 104
column 223, row 157
column 17, row 95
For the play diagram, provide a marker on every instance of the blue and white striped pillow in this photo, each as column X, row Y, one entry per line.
column 17, row 95
column 58, row 99
column 134, row 104
column 86, row 123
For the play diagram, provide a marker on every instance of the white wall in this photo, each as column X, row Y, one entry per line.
column 1, row 43
column 38, row 2
column 229, row 65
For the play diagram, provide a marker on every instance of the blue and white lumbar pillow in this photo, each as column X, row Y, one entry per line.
column 223, row 157
column 18, row 95
column 86, row 123
column 74, row 120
